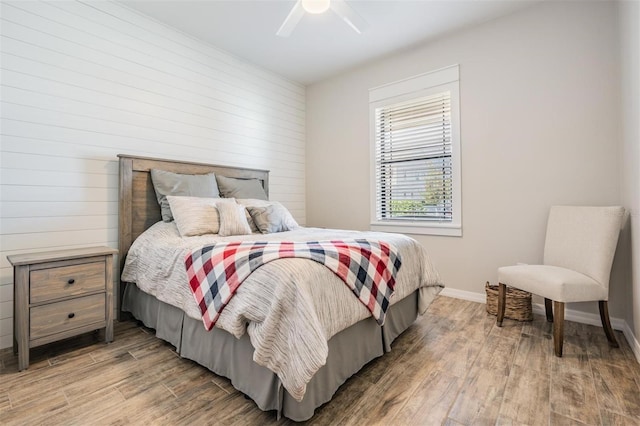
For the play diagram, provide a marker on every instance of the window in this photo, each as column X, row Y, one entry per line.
column 415, row 136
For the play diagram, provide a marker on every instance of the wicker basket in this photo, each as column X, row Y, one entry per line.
column 518, row 303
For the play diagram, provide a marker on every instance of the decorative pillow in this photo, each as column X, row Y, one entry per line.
column 232, row 219
column 272, row 218
column 195, row 215
column 252, row 202
column 168, row 183
column 241, row 188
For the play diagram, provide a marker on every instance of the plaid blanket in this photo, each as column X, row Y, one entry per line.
column 367, row 267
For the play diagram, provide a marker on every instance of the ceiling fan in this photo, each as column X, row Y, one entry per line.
column 340, row 7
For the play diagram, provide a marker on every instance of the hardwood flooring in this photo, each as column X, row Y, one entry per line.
column 452, row 367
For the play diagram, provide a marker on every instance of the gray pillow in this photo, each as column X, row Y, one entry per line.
column 241, row 188
column 252, row 202
column 168, row 183
column 272, row 218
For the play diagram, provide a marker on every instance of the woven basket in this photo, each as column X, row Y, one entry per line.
column 518, row 303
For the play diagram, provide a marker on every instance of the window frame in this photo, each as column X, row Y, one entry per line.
column 423, row 85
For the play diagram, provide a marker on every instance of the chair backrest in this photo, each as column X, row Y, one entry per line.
column 583, row 239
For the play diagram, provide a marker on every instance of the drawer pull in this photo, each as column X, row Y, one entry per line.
column 71, row 315
column 71, row 281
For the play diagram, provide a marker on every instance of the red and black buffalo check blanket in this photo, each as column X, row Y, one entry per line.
column 216, row 271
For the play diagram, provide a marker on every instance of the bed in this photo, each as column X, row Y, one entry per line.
column 334, row 341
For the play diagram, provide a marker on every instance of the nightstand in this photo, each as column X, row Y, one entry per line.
column 60, row 294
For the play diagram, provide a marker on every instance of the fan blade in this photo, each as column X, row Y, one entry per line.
column 348, row 15
column 291, row 20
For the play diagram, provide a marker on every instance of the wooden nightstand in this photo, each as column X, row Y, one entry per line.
column 60, row 294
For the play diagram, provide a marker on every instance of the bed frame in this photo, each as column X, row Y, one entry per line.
column 219, row 351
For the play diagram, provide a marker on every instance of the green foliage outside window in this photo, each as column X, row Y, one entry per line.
column 432, row 200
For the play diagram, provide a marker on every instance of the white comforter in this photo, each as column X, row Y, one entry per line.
column 289, row 307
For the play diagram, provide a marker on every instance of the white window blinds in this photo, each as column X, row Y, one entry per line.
column 415, row 154
column 413, row 160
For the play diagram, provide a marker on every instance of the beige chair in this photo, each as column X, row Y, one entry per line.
column 578, row 253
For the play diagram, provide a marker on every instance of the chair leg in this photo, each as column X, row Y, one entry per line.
column 502, row 302
column 558, row 327
column 606, row 324
column 548, row 305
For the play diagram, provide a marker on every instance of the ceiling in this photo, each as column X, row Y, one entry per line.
column 321, row 45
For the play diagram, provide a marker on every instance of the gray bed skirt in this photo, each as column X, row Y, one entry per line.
column 227, row 356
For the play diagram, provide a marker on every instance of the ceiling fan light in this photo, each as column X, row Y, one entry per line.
column 316, row 6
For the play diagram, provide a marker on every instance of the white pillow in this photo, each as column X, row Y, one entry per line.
column 195, row 215
column 233, row 219
column 286, row 217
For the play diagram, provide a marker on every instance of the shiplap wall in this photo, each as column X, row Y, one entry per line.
column 83, row 81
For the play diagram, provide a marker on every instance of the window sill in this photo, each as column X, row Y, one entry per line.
column 449, row 230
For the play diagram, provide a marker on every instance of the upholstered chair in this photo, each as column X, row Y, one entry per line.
column 578, row 254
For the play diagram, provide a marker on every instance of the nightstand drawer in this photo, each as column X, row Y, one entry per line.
column 65, row 281
column 57, row 317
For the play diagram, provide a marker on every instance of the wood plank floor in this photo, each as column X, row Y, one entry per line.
column 452, row 367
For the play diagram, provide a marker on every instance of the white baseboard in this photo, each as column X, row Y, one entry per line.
column 569, row 314
column 633, row 342
column 464, row 295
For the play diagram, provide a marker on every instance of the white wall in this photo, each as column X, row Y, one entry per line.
column 85, row 81
column 540, row 109
column 629, row 15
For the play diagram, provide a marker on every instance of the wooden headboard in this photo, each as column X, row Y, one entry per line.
column 138, row 206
